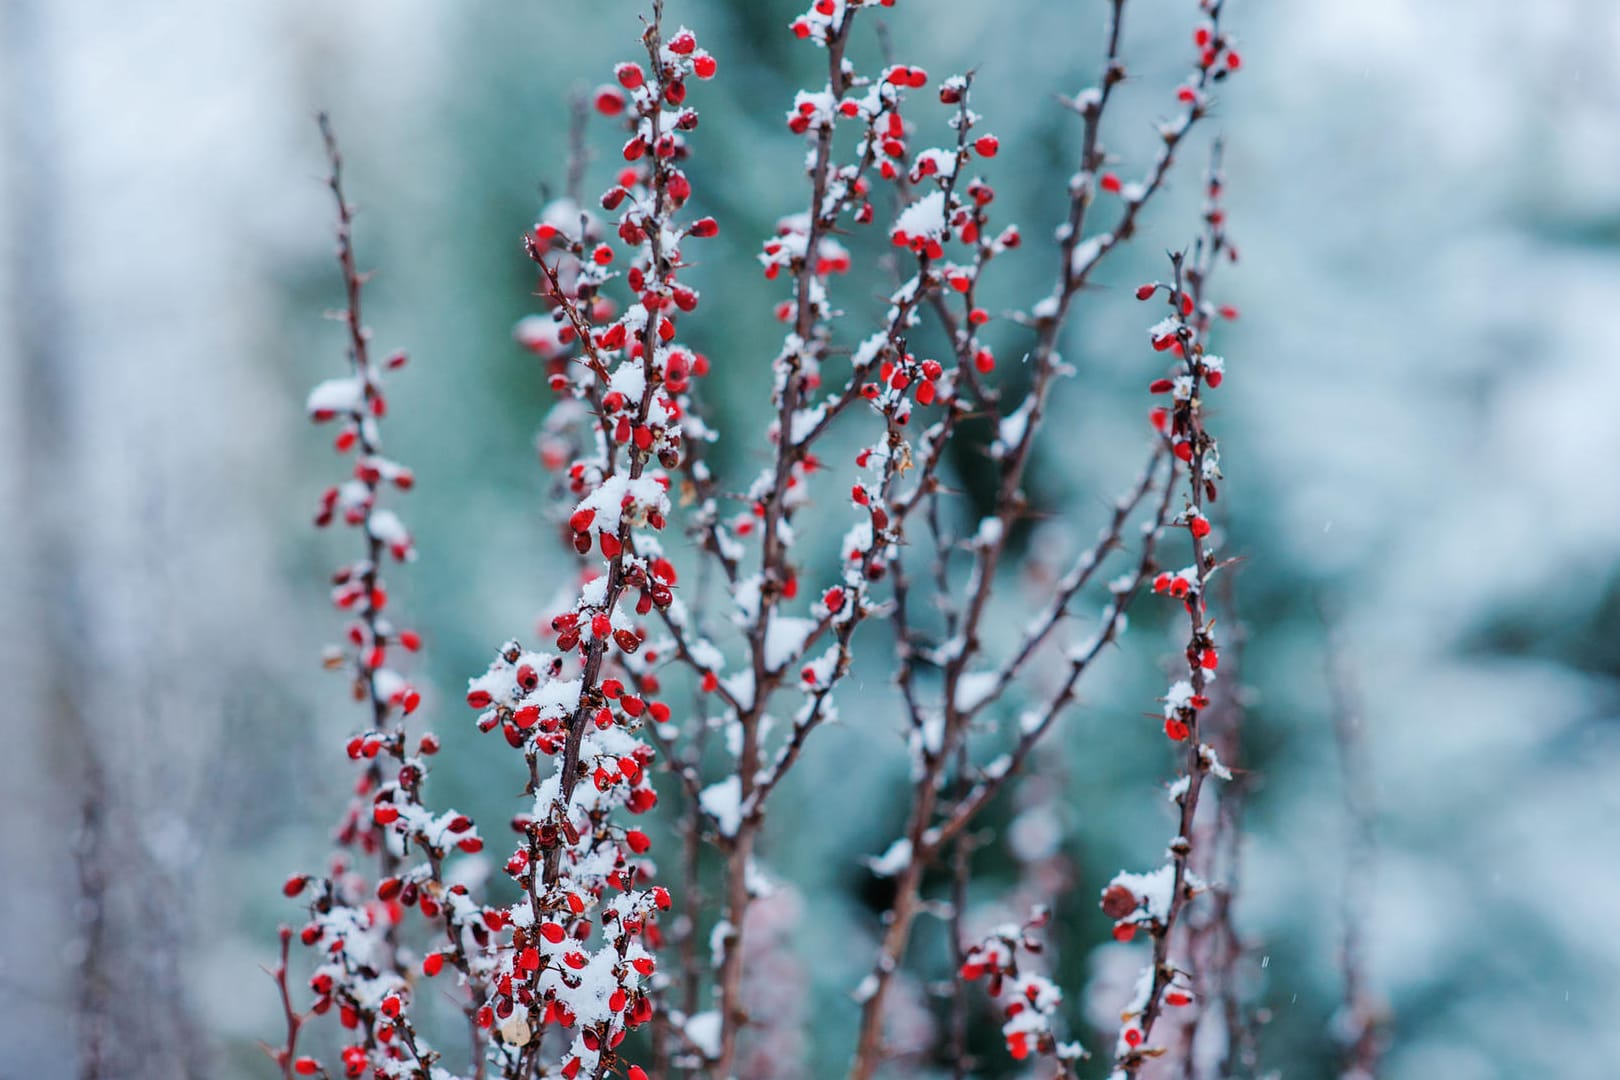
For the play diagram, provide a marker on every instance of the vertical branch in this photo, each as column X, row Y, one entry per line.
column 95, row 981
column 961, row 860
column 1362, row 1020
column 774, row 571
column 1216, row 951
column 50, row 455
column 285, row 1055
column 370, row 594
column 360, row 362
column 355, row 918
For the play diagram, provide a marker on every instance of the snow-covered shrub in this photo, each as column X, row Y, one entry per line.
column 555, row 981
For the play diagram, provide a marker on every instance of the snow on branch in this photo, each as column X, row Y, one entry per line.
column 602, row 941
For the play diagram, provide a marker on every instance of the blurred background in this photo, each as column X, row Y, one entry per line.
column 1413, row 428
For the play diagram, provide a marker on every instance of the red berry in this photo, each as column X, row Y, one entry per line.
column 1145, row 292
column 1118, row 901
column 637, row 841
column 629, row 75
column 432, row 964
column 987, row 145
column 1109, row 182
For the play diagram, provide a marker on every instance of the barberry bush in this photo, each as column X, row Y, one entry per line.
column 690, row 661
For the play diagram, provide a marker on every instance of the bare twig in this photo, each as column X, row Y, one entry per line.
column 1363, row 1019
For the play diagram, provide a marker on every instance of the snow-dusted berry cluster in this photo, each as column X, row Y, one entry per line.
column 553, row 982
column 1028, row 1000
column 357, row 908
column 1156, row 902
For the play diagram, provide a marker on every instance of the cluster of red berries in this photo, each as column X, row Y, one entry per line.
column 1029, row 1002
